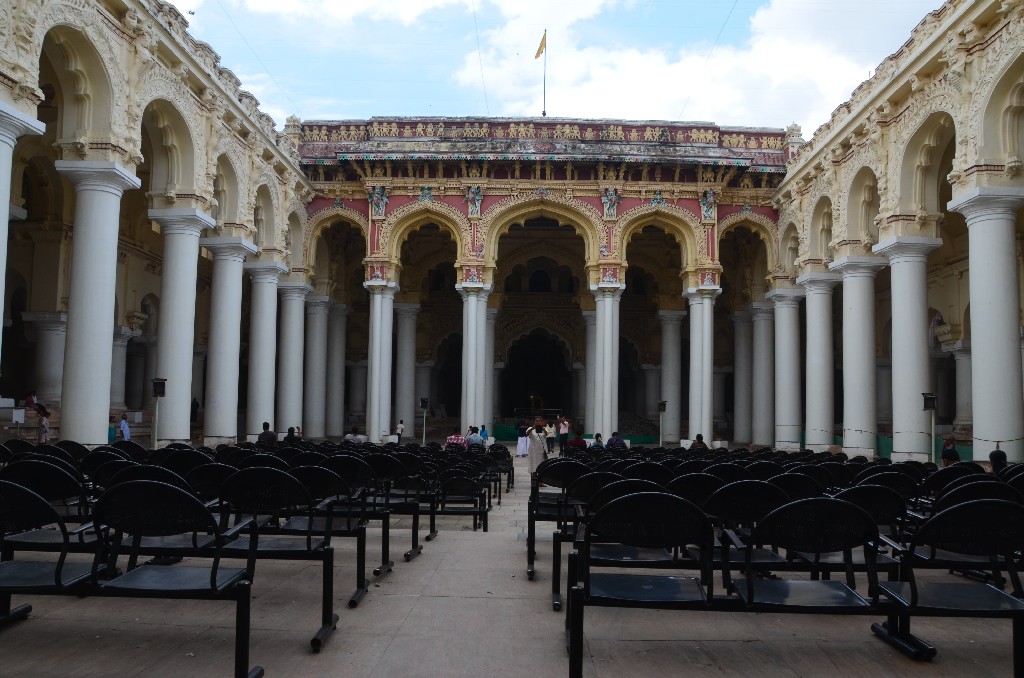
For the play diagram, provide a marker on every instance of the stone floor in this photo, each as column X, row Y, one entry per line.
column 465, row 608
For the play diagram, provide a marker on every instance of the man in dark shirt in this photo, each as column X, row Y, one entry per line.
column 615, row 442
column 267, row 436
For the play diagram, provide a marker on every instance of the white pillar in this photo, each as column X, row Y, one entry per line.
column 671, row 375
column 787, row 368
column 474, row 329
column 358, row 378
column 488, row 397
column 314, row 381
column 821, row 365
column 991, row 215
column 422, row 386
column 118, row 365
column 606, row 375
column 262, row 345
column 291, row 352
column 135, row 371
column 378, row 380
column 908, row 264
column 220, row 416
column 51, row 331
column 496, row 411
column 707, row 326
column 719, row 394
column 335, row 417
column 88, row 347
column 652, row 386
column 743, row 347
column 964, row 404
column 763, row 399
column 149, row 370
column 696, row 317
column 198, row 368
column 883, row 390
column 860, row 427
column 590, row 322
column 15, row 124
column 405, row 359
column 580, row 388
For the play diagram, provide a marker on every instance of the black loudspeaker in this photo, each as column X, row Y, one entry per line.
column 424, row 402
column 159, row 388
column 661, row 405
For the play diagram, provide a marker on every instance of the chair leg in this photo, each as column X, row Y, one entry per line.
column 362, row 583
column 386, row 564
column 242, row 624
column 328, row 620
column 556, row 571
column 531, row 539
column 896, row 631
column 417, row 548
column 433, row 520
column 576, row 632
column 1018, row 646
column 7, row 615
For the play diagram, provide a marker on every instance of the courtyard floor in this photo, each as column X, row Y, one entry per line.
column 465, row 608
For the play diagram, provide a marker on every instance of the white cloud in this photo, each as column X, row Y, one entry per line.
column 801, row 61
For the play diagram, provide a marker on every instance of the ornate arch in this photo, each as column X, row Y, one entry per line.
column 409, row 217
column 998, row 60
column 681, row 223
column 851, row 181
column 320, row 220
column 520, row 327
column 936, row 100
column 159, row 86
column 496, row 221
column 766, row 229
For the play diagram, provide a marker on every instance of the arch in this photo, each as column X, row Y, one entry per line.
column 681, row 224
column 789, row 245
column 820, row 233
column 551, row 326
column 226, row 192
column 584, row 219
column 293, row 237
column 918, row 171
column 410, row 217
column 862, row 206
column 323, row 219
column 150, row 305
column 87, row 93
column 998, row 106
column 264, row 217
column 763, row 227
column 173, row 165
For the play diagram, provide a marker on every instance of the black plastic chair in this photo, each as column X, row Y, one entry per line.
column 126, row 509
column 695, row 487
column 797, row 486
column 558, row 474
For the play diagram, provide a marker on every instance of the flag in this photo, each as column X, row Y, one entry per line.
column 543, row 46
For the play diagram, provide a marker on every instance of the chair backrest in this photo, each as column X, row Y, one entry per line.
column 561, row 473
column 728, row 472
column 584, row 487
column 148, row 508
column 695, row 487
column 134, row 450
column 51, row 482
column 54, row 451
column 206, row 480
column 308, row 458
column 984, row 527
column 104, row 474
column 797, row 485
column 763, row 469
column 900, row 482
column 356, row 472
column 74, row 448
column 972, row 491
column 967, row 480
column 650, row 470
column 744, row 502
column 621, row 488
column 263, row 490
column 95, row 459
column 148, row 472
column 264, row 461
column 822, row 476
column 944, row 476
column 885, row 505
column 181, row 461
column 21, row 509
column 16, row 445
column 842, row 474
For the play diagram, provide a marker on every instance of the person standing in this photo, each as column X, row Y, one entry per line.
column 549, row 436
column 193, row 415
column 484, row 433
column 523, row 443
column 537, row 445
column 399, row 430
column 43, row 434
column 123, row 429
column 563, row 433
column 950, row 455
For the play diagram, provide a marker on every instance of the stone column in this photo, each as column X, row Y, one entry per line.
column 908, row 264
column 135, row 372
column 15, row 124
column 474, row 329
column 220, row 416
column 579, row 397
column 51, row 331
column 291, row 352
column 198, row 369
column 488, row 401
column 719, row 395
column 498, row 367
column 742, row 389
column 961, row 351
column 606, row 375
column 590, row 322
column 671, row 375
column 262, row 344
column 88, row 348
column 422, row 389
column 708, row 363
column 336, row 321
column 821, row 364
column 358, row 376
column 883, row 390
column 991, row 215
column 378, row 380
column 314, row 380
column 118, row 366
column 763, row 392
column 860, row 427
column 788, row 419
column 181, row 228
column 405, row 376
column 149, row 370
column 696, row 316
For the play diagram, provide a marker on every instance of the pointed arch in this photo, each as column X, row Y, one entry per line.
column 410, row 217
column 918, row 171
column 680, row 223
column 173, row 165
column 862, row 206
column 763, row 227
column 585, row 220
column 321, row 220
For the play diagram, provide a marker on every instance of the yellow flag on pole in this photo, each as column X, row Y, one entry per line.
column 543, row 46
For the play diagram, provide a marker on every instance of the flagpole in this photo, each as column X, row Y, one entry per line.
column 544, row 111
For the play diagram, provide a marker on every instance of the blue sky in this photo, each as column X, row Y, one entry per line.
column 733, row 62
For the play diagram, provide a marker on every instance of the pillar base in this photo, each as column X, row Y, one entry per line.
column 852, row 452
column 214, row 441
column 819, row 447
column 788, row 447
column 910, row 456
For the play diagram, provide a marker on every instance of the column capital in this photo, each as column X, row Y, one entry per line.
column 98, row 175
column 318, row 305
column 406, row 309
column 473, row 289
column 294, row 290
column 236, row 249
column 762, row 310
column 818, row 283
column 14, row 124
column 614, row 290
column 122, row 334
column 981, row 203
column 857, row 267
column 907, row 248
column 695, row 294
column 265, row 271
column 742, row 316
column 671, row 317
column 339, row 310
column 784, row 297
column 182, row 220
column 960, row 348
column 43, row 320
column 384, row 287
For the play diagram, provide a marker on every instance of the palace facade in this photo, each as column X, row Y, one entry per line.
column 760, row 288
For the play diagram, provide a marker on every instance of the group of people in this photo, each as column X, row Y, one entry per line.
column 475, row 435
column 538, row 441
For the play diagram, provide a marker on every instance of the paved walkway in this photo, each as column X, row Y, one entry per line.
column 466, row 608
